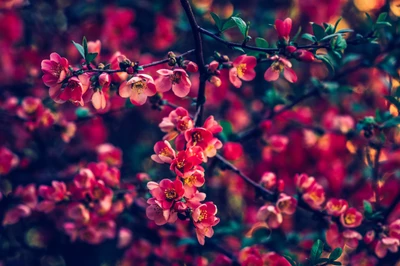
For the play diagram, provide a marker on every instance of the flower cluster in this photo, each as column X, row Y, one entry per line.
column 193, row 145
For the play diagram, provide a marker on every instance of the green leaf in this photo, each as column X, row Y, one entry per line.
column 217, row 20
column 369, row 19
column 328, row 28
column 238, row 49
column 382, row 17
column 82, row 112
column 336, row 253
column 296, row 35
column 318, row 31
column 230, row 23
column 316, row 250
column 367, row 208
column 329, row 36
column 326, row 61
column 344, row 31
column 337, row 24
column 393, row 122
column 80, row 49
column 382, row 24
column 261, row 42
column 241, row 25
column 90, row 57
column 309, row 37
column 186, row 241
column 85, row 47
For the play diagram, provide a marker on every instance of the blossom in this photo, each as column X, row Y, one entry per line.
column 303, row 182
column 280, row 64
column 72, row 90
column 336, row 239
column 164, row 152
column 198, row 137
column 167, row 192
column 176, row 79
column 274, row 259
column 192, row 180
column 394, row 229
column 110, row 154
column 211, row 125
column 159, row 215
column 138, row 89
column 232, row 150
column 271, row 215
column 8, row 160
column 336, row 207
column 314, row 196
column 55, row 70
column 387, row 243
column 99, row 100
column 185, row 161
column 178, row 121
column 243, row 69
column 351, row 218
column 13, row 215
column 278, row 143
column 283, row 28
column 204, row 219
column 57, row 192
column 286, row 204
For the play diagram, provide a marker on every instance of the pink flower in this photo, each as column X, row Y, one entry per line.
column 212, row 125
column 278, row 142
column 176, row 79
column 8, row 160
column 192, row 180
column 94, row 47
column 110, row 154
column 286, row 204
column 243, row 68
column 394, row 229
column 138, row 89
column 336, row 207
column 167, row 192
column 271, row 215
column 198, row 137
column 99, row 100
column 72, row 91
column 55, row 70
column 164, row 152
column 57, row 192
column 204, row 219
column 78, row 213
column 212, row 147
column 351, row 218
column 274, row 259
column 303, row 182
column 280, row 64
column 283, row 28
column 314, row 196
column 13, row 215
column 104, row 80
column 387, row 243
column 185, row 161
column 159, row 215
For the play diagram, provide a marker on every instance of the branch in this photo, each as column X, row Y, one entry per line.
column 264, row 192
column 160, row 62
column 201, row 99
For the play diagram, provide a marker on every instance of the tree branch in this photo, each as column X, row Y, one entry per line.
column 200, row 62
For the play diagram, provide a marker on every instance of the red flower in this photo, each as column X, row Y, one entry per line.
column 57, row 192
column 198, row 137
column 336, row 207
column 351, row 218
column 72, row 91
column 243, row 68
column 271, row 215
column 315, row 196
column 283, row 28
column 204, row 219
column 176, row 79
column 8, row 160
column 138, row 89
column 387, row 243
column 274, row 259
column 303, row 182
column 164, row 152
column 185, row 161
column 280, row 64
column 167, row 192
column 110, row 154
column 159, row 215
column 212, row 125
column 192, row 180
column 286, row 204
column 55, row 70
column 232, row 150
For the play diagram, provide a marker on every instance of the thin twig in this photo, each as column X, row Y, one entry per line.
column 201, row 99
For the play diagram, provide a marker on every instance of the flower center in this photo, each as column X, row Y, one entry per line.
column 190, row 180
column 176, row 77
column 164, row 152
column 241, row 69
column 278, row 66
column 203, row 215
column 196, row 138
column 170, row 193
column 350, row 219
column 140, row 86
column 182, row 125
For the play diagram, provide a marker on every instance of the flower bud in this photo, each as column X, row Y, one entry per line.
column 213, row 66
column 215, row 80
column 104, row 80
column 304, row 55
column 191, row 66
column 290, row 49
